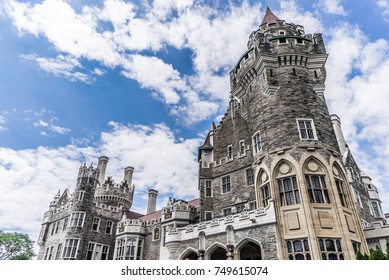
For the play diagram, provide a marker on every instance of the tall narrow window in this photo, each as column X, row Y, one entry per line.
column 257, row 143
column 226, row 184
column 65, row 224
column 70, row 249
column 249, row 177
column 104, row 253
column 130, row 249
column 108, row 228
column 241, row 147
column 208, row 188
column 265, row 195
column 306, row 129
column 120, row 243
column 227, row 211
column 96, row 224
column 317, row 189
column 342, row 195
column 59, row 249
column 288, row 190
column 81, row 195
column 229, row 152
column 375, row 209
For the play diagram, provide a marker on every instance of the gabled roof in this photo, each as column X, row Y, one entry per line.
column 269, row 17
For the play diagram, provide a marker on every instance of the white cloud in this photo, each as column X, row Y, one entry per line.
column 332, row 7
column 161, row 161
column 151, row 72
column 384, row 6
column 2, row 123
column 47, row 124
column 292, row 12
column 358, row 91
column 121, row 30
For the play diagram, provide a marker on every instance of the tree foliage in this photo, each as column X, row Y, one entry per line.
column 15, row 246
column 375, row 254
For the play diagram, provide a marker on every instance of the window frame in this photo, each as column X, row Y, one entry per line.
column 70, row 248
column 242, row 148
column 109, row 227
column 208, row 186
column 226, row 186
column 306, row 130
column 257, row 143
column 317, row 195
column 251, row 176
column 230, row 155
column 288, row 196
column 77, row 219
column 98, row 224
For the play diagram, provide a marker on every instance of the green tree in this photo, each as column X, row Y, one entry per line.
column 375, row 254
column 15, row 246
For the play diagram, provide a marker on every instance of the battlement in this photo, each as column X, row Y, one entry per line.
column 245, row 219
column 281, row 24
column 87, row 174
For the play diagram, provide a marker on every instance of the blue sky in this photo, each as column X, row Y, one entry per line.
column 142, row 81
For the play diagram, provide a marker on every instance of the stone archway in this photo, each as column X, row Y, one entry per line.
column 218, row 254
column 190, row 256
column 250, row 251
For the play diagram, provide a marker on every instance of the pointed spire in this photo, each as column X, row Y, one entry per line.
column 269, row 16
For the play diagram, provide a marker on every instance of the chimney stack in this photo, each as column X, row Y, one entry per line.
column 102, row 166
column 152, row 202
column 128, row 172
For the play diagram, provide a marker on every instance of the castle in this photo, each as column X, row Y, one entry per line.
column 276, row 177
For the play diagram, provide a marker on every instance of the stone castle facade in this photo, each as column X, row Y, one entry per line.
column 276, row 177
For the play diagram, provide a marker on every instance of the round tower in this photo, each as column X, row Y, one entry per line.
column 279, row 85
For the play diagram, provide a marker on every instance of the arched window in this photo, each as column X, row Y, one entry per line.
column 298, row 249
column 339, row 181
column 331, row 249
column 315, row 182
column 287, row 184
column 264, row 189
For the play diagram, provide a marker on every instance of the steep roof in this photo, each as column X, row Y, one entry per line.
column 269, row 17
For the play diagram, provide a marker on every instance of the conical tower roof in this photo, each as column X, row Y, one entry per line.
column 269, row 16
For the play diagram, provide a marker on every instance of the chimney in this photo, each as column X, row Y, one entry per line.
column 152, row 202
column 128, row 171
column 339, row 133
column 102, row 166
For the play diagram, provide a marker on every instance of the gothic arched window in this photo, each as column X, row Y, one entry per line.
column 316, row 182
column 339, row 181
column 264, row 189
column 287, row 184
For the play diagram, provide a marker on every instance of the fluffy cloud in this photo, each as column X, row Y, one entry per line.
column 115, row 34
column 161, row 161
column 384, row 6
column 332, row 7
column 357, row 90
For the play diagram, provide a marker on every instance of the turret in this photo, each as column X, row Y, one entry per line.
column 115, row 194
column 152, row 201
column 339, row 133
column 102, row 166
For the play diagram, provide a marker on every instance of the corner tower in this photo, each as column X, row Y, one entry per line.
column 278, row 134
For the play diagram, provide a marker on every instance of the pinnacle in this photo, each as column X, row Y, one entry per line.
column 269, row 16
